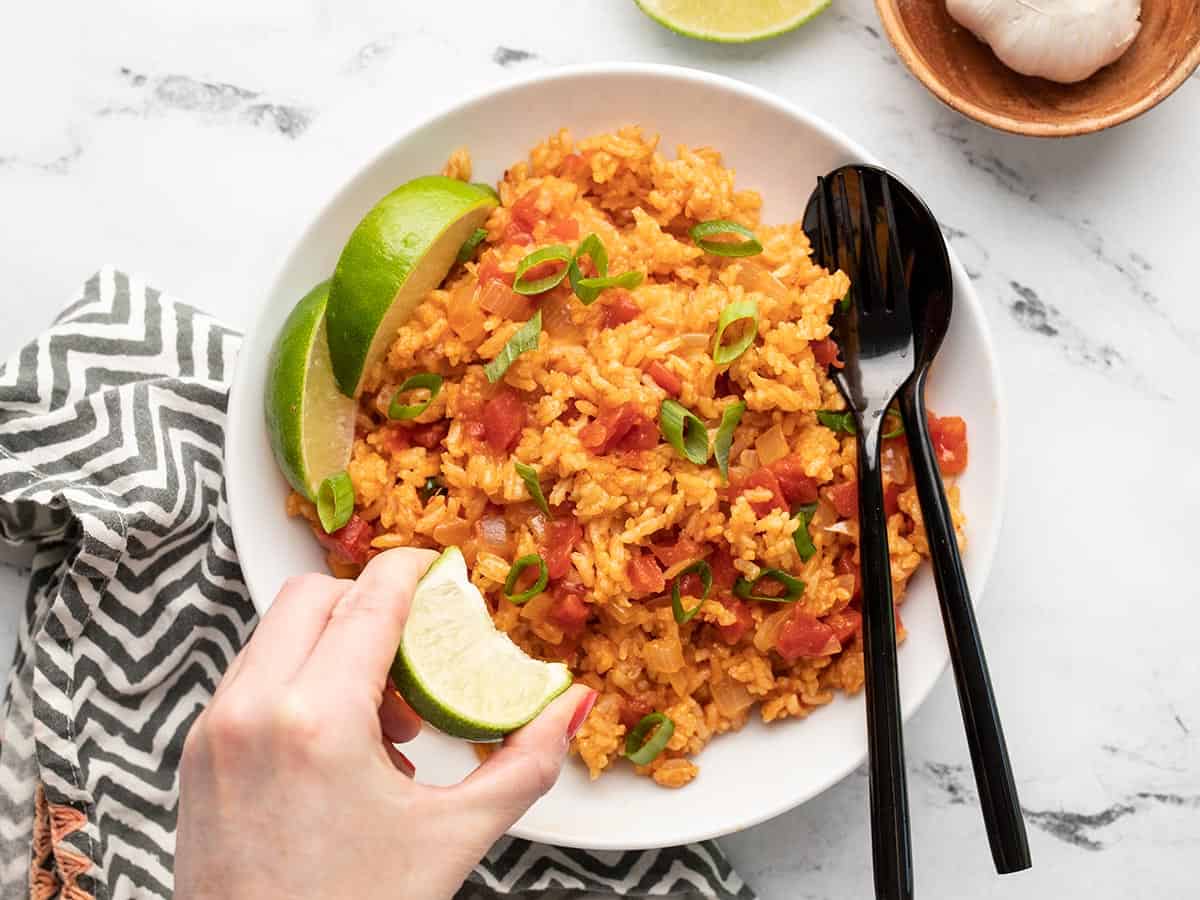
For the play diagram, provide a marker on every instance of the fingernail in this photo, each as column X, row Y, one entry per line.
column 581, row 713
column 406, row 765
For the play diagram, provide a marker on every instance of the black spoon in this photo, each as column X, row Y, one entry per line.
column 926, row 265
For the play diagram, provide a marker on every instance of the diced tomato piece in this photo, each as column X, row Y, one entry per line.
column 765, row 478
column 608, row 427
column 891, row 498
column 489, row 270
column 570, row 611
column 735, row 631
column 690, row 585
column 806, row 635
column 796, row 486
column 430, row 434
column 633, row 710
column 645, row 576
column 680, row 550
column 565, row 229
column 619, row 308
column 587, row 268
column 664, row 377
column 949, row 436
column 525, row 211
column 826, row 353
column 846, row 565
column 513, row 234
column 351, row 543
column 561, row 537
column 845, row 624
column 397, row 438
column 642, row 435
column 475, row 429
column 844, row 497
column 723, row 572
column 573, row 165
column 503, row 418
column 619, row 428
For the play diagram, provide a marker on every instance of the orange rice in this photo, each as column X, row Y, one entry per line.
column 609, row 616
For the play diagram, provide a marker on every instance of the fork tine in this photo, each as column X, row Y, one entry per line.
column 869, row 258
column 845, row 228
column 897, row 275
column 827, row 251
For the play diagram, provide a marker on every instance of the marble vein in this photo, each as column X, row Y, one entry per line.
column 56, row 165
column 511, row 56
column 371, row 54
column 1079, row 829
column 213, row 100
column 1036, row 316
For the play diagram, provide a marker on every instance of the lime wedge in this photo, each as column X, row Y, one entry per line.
column 310, row 423
column 732, row 21
column 398, row 253
column 457, row 670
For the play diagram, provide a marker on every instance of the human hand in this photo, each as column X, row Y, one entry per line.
column 289, row 783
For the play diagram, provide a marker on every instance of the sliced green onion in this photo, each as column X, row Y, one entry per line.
column 467, row 250
column 560, row 253
column 899, row 429
column 641, row 747
column 529, row 475
column 684, row 431
column 844, row 421
column 335, row 502
column 591, row 247
column 427, row 380
column 701, row 568
column 724, row 440
column 702, row 235
column 524, row 338
column 735, row 312
column 588, row 289
column 838, row 421
column 801, row 537
column 793, row 587
column 534, row 589
column 431, row 488
column 844, row 303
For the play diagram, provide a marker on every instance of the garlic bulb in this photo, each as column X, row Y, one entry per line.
column 1062, row 40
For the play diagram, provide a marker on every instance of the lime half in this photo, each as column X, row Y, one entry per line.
column 397, row 254
column 732, row 21
column 310, row 423
column 457, row 670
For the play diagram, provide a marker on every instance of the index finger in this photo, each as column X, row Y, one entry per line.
column 356, row 649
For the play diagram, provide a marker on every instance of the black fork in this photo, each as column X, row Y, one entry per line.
column 876, row 337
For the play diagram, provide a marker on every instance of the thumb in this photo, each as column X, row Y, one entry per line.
column 528, row 763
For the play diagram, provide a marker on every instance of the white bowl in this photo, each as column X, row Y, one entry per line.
column 777, row 149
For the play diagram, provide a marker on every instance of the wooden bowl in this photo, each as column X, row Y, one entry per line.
column 964, row 73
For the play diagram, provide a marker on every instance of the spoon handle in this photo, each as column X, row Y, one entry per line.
column 981, row 719
column 891, row 841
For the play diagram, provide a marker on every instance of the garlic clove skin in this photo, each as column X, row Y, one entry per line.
column 1061, row 40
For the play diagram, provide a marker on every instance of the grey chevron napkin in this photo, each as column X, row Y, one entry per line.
column 111, row 431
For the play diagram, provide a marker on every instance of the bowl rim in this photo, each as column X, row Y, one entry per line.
column 242, row 410
column 902, row 43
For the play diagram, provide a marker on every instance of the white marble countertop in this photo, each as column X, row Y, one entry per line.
column 185, row 141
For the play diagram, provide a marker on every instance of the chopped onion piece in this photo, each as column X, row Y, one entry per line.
column 771, row 445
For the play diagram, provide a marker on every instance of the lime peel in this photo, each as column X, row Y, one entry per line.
column 732, row 21
column 457, row 670
column 310, row 423
column 399, row 252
